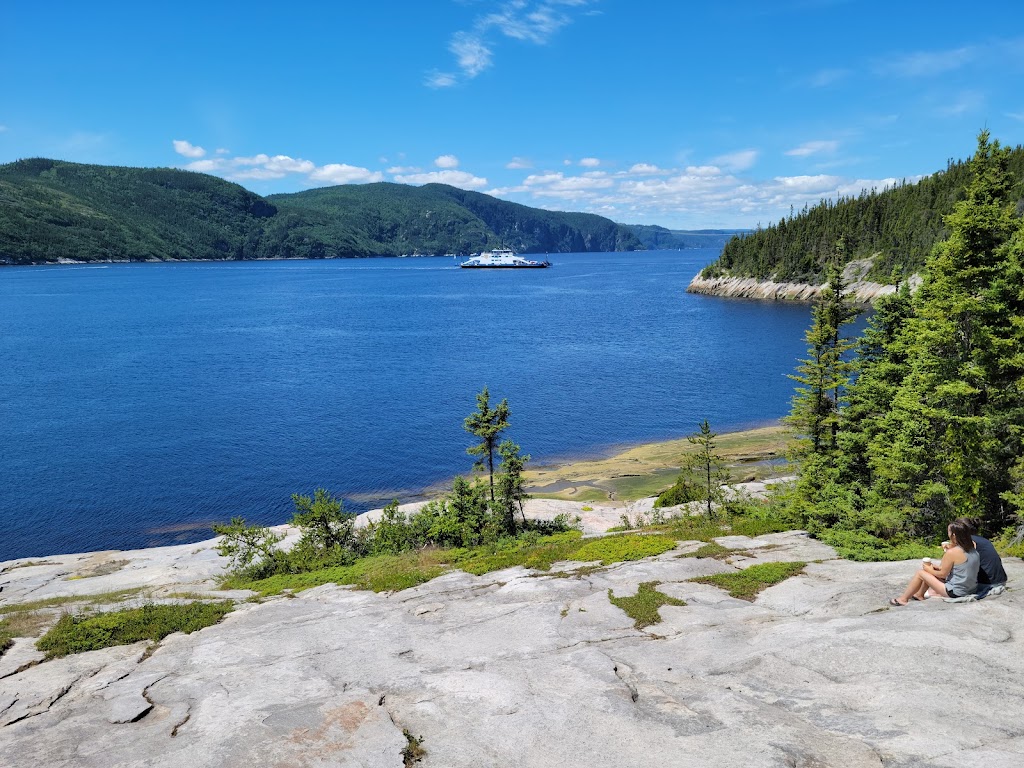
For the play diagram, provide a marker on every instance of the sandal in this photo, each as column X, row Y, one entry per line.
column 919, row 599
column 897, row 603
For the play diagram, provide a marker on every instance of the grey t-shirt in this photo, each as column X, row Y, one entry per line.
column 963, row 579
column 991, row 571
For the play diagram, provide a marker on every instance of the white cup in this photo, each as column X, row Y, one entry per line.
column 926, row 560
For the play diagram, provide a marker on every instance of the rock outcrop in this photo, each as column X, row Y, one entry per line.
column 858, row 289
column 519, row 668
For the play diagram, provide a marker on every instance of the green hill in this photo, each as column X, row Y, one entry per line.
column 898, row 227
column 51, row 210
column 657, row 238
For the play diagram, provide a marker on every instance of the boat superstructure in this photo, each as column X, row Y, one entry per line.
column 502, row 258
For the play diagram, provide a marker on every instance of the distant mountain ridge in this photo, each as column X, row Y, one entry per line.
column 53, row 210
column 657, row 238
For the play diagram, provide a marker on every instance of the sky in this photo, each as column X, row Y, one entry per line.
column 684, row 114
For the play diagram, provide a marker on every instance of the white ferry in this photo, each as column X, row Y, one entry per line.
column 502, row 258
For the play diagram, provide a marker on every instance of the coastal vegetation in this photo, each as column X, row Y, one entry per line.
column 77, row 634
column 922, row 419
column 749, row 582
column 643, row 606
column 897, row 228
column 52, row 210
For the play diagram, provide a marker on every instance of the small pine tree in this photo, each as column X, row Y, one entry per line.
column 487, row 424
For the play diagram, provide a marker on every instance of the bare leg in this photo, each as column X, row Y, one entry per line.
column 920, row 582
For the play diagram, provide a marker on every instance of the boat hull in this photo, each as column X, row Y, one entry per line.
column 504, row 266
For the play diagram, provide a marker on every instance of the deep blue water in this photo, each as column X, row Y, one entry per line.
column 140, row 402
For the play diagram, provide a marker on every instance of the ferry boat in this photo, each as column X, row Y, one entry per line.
column 502, row 258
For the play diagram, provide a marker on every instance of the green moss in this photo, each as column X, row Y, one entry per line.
column 643, row 606
column 615, row 549
column 382, row 573
column 76, row 634
column 746, row 584
column 711, row 550
column 538, row 556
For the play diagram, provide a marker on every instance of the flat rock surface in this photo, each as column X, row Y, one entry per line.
column 520, row 668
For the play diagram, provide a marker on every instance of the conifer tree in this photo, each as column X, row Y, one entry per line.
column 487, row 424
column 947, row 445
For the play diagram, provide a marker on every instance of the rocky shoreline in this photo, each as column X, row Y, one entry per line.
column 527, row 668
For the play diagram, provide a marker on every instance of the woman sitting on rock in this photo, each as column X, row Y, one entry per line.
column 955, row 576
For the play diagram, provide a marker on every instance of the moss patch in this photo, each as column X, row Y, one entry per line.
column 643, row 606
column 746, row 584
column 76, row 634
column 102, row 598
column 615, row 549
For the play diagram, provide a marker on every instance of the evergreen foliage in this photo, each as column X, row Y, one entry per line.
column 701, row 476
column 51, row 210
column 487, row 424
column 898, row 226
column 934, row 427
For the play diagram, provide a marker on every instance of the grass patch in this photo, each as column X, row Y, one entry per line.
column 643, row 606
column 24, row 624
column 383, row 573
column 538, row 556
column 746, row 584
column 863, row 547
column 616, row 549
column 102, row 598
column 76, row 634
column 711, row 550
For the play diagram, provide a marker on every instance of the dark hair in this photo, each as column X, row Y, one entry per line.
column 971, row 523
column 961, row 533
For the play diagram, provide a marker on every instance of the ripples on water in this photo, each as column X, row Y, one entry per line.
column 143, row 401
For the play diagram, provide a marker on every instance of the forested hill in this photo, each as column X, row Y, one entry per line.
column 52, row 210
column 657, row 238
column 900, row 225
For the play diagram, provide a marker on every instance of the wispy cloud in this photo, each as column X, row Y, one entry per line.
column 736, row 161
column 3, row 128
column 529, row 21
column 1016, row 115
column 187, row 149
column 813, row 148
column 961, row 104
column 927, row 63
column 517, row 163
column 826, row 77
column 590, row 162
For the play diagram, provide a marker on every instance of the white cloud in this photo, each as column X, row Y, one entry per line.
column 567, row 161
column 517, row 163
column 472, row 56
column 446, row 161
column 1016, row 115
column 404, row 169
column 736, row 161
column 342, row 173
column 264, row 167
column 703, row 170
column 531, row 21
column 813, row 148
column 186, row 149
column 644, row 169
column 590, row 162
column 223, row 151
column 927, row 63
column 437, row 79
column 460, row 179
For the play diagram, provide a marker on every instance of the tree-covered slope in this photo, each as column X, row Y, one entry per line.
column 436, row 218
column 657, row 238
column 51, row 210
column 901, row 225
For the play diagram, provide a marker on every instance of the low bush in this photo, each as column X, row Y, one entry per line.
column 746, row 584
column 643, row 606
column 862, row 546
column 76, row 634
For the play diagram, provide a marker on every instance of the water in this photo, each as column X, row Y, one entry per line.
column 141, row 402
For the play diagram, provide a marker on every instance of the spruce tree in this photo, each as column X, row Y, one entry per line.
column 487, row 424
column 947, row 445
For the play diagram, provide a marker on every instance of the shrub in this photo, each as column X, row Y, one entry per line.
column 76, row 634
column 862, row 546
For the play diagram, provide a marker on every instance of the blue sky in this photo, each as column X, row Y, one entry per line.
column 687, row 115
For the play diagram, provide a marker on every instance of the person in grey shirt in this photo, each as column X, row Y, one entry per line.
column 955, row 577
column 991, row 575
